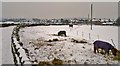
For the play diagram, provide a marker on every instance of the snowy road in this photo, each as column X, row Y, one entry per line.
column 5, row 45
column 0, row 46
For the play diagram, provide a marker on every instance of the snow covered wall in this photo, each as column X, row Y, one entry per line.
column 19, row 53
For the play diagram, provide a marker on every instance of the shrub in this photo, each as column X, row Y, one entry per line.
column 118, row 22
column 55, row 39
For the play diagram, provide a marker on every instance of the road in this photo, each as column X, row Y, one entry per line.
column 5, row 45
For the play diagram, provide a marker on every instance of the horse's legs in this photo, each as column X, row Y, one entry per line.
column 94, row 50
column 98, row 50
column 108, row 52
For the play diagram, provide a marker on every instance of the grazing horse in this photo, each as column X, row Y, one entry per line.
column 104, row 46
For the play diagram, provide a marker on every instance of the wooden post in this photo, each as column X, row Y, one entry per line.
column 82, row 34
column 77, row 32
column 88, row 19
column 98, row 36
column 91, row 15
column 89, row 37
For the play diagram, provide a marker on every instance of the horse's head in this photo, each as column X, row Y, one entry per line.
column 114, row 51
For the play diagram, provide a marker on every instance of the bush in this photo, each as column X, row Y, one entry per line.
column 55, row 39
column 118, row 22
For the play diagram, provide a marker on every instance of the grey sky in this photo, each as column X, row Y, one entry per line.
column 119, row 9
column 0, row 10
column 58, row 9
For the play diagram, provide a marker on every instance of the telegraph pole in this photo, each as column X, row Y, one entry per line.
column 88, row 20
column 91, row 15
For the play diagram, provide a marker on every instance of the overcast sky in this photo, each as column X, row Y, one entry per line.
column 58, row 9
column 59, row 0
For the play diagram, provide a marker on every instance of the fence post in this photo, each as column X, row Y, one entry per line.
column 77, row 32
column 89, row 36
column 98, row 36
column 82, row 34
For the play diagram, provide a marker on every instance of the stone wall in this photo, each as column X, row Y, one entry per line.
column 19, row 52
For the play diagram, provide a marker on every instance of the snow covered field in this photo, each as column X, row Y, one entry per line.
column 36, row 40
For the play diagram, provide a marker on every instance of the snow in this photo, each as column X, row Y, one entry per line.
column 9, row 22
column 65, row 49
column 1, row 46
column 16, row 43
column 6, row 54
column 22, row 53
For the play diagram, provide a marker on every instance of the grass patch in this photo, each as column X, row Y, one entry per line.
column 50, row 45
column 117, row 57
column 54, row 62
column 79, row 41
column 42, row 63
column 52, row 40
column 57, row 61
